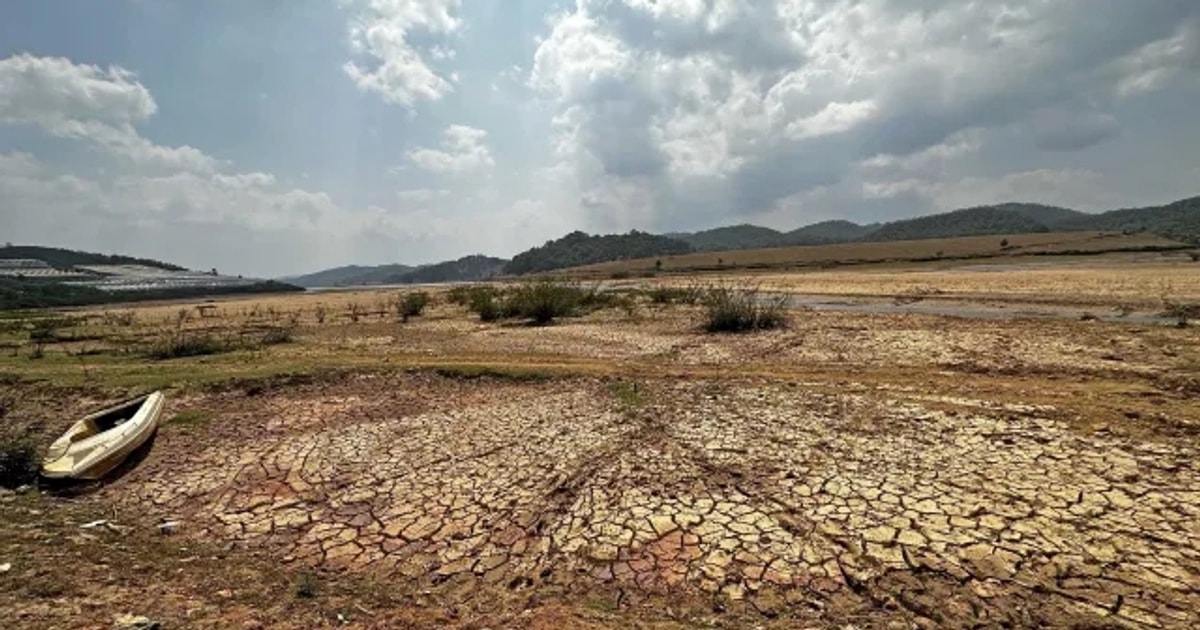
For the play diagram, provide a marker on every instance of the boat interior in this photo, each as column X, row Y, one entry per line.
column 114, row 417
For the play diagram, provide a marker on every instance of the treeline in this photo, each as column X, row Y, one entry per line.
column 578, row 248
column 968, row 222
column 30, row 294
column 465, row 269
column 65, row 258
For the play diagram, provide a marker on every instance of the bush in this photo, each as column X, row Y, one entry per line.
column 621, row 275
column 544, row 300
column 19, row 463
column 182, row 345
column 277, row 335
column 742, row 310
column 674, row 295
column 412, row 304
column 1195, row 256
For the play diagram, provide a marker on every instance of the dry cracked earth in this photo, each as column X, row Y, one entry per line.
column 785, row 500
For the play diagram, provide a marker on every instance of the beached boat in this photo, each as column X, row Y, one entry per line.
column 96, row 445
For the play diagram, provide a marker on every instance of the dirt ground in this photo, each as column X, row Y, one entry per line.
column 625, row 469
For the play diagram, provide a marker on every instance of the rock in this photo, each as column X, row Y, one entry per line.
column 168, row 527
column 6, row 567
column 23, row 489
column 94, row 524
column 135, row 622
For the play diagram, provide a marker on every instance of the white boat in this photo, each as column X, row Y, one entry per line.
column 96, row 445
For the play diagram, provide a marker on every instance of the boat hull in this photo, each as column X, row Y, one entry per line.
column 86, row 453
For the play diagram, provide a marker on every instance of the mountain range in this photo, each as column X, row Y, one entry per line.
column 1179, row 221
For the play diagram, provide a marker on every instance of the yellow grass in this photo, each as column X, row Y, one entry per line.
column 859, row 253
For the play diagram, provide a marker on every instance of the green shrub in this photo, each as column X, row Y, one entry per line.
column 621, row 275
column 306, row 586
column 743, row 310
column 674, row 295
column 544, row 300
column 412, row 304
column 277, row 335
column 483, row 300
column 180, row 345
column 19, row 463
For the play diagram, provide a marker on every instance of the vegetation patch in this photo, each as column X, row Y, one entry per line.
column 629, row 394
column 190, row 419
column 181, row 345
column 675, row 295
column 501, row 372
column 19, row 462
column 412, row 304
column 735, row 310
column 539, row 301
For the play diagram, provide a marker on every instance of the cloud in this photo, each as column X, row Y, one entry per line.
column 1063, row 130
column 602, row 115
column 421, row 195
column 390, row 64
column 85, row 102
column 743, row 104
column 463, row 150
column 51, row 91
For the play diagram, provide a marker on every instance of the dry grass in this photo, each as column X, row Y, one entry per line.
column 1127, row 380
column 863, row 253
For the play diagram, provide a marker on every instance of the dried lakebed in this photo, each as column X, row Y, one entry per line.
column 775, row 498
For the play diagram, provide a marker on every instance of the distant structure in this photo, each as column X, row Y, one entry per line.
column 118, row 277
column 22, row 263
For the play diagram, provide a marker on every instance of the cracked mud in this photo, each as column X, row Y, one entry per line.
column 781, row 498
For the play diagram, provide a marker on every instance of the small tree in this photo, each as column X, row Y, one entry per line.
column 412, row 305
column 658, row 265
column 1003, row 243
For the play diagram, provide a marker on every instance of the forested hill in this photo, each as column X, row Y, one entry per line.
column 578, row 248
column 1179, row 220
column 349, row 275
column 465, row 269
column 732, row 237
column 67, row 258
column 968, row 222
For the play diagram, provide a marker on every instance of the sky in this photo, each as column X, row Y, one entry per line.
column 273, row 137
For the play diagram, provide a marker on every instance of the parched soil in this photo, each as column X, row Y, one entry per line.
column 853, row 471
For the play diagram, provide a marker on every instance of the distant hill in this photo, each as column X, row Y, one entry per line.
column 732, row 237
column 465, row 269
column 828, row 233
column 1179, row 220
column 67, row 258
column 1050, row 216
column 26, row 294
column 349, row 275
column 578, row 248
column 979, row 221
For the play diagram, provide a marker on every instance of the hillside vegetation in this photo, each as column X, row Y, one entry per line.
column 465, row 269
column 31, row 294
column 578, row 248
column 828, row 232
column 732, row 237
column 348, row 275
column 968, row 222
column 825, row 256
column 66, row 258
column 1179, row 220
